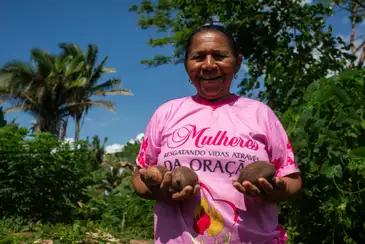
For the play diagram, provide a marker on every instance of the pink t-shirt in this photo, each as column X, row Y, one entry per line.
column 216, row 140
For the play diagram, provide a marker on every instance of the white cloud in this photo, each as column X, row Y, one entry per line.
column 114, row 148
column 139, row 136
column 69, row 140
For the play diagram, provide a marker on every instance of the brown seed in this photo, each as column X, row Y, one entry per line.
column 154, row 175
column 181, row 177
column 256, row 170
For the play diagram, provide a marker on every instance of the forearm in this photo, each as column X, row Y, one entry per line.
column 293, row 185
column 140, row 187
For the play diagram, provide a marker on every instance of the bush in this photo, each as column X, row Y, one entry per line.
column 328, row 133
column 60, row 191
column 113, row 201
column 41, row 178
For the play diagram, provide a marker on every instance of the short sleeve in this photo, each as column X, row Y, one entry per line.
column 279, row 147
column 150, row 144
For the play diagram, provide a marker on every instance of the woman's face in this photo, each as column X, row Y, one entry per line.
column 211, row 64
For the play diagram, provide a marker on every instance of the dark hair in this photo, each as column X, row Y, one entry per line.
column 212, row 27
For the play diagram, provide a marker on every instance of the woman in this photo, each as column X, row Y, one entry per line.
column 216, row 134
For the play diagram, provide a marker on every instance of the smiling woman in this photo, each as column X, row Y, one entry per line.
column 215, row 134
column 211, row 63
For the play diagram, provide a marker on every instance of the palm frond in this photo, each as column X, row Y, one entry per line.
column 19, row 106
column 91, row 54
column 5, row 79
column 87, row 104
column 43, row 61
column 70, row 49
column 109, row 70
column 16, row 78
column 17, row 73
column 97, row 72
column 114, row 92
column 106, row 85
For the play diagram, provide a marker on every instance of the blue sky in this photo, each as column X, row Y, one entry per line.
column 108, row 23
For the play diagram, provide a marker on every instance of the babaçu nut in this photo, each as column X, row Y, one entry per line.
column 181, row 177
column 256, row 170
column 154, row 175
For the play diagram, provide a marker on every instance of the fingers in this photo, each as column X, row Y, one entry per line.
column 251, row 189
column 239, row 187
column 142, row 171
column 187, row 192
column 196, row 189
column 184, row 194
column 265, row 186
column 167, row 179
column 247, row 188
column 262, row 188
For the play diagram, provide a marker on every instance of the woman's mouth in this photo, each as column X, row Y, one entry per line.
column 211, row 79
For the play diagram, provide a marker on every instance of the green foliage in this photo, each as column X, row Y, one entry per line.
column 17, row 230
column 41, row 178
column 286, row 44
column 67, row 192
column 129, row 152
column 328, row 132
column 54, row 87
column 113, row 201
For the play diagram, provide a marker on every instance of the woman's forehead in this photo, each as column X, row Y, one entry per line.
column 210, row 39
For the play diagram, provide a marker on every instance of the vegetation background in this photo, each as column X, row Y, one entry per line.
column 315, row 81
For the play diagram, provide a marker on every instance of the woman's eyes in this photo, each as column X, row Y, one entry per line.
column 219, row 56
column 203, row 57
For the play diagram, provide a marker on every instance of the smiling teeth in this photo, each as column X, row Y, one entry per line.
column 214, row 78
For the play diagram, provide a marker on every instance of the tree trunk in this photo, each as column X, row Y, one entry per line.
column 77, row 127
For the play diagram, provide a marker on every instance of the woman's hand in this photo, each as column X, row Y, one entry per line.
column 160, row 191
column 281, row 188
column 185, row 193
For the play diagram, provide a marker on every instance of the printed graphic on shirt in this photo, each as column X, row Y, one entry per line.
column 206, row 137
column 208, row 219
column 142, row 152
column 216, row 151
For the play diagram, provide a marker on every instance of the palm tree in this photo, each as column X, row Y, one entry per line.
column 34, row 88
column 82, row 95
column 54, row 87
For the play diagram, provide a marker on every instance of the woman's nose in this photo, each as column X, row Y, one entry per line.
column 209, row 63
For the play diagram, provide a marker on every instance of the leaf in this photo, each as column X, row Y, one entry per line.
column 109, row 70
column 331, row 171
column 358, row 152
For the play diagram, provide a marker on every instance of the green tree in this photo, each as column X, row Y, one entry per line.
column 286, row 44
column 53, row 87
column 356, row 14
column 290, row 50
column 328, row 132
column 41, row 177
column 34, row 89
column 82, row 96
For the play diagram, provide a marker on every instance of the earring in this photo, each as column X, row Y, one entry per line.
column 190, row 81
column 235, row 76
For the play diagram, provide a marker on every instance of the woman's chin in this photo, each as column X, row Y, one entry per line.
column 213, row 96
